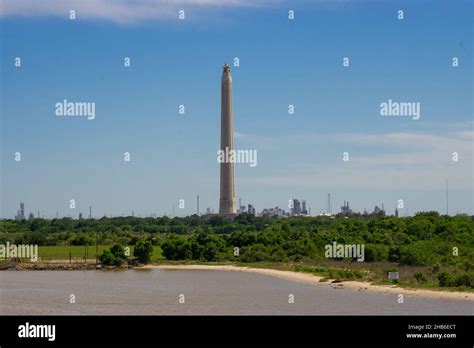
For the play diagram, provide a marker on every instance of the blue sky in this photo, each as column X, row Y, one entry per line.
column 282, row 62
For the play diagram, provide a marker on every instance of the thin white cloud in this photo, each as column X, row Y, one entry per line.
column 118, row 11
column 404, row 160
column 238, row 135
column 455, row 140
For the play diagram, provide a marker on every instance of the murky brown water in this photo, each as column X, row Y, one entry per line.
column 156, row 292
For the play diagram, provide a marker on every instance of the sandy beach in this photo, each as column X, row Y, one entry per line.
column 315, row 280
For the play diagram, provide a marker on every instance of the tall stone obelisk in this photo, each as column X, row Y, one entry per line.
column 227, row 193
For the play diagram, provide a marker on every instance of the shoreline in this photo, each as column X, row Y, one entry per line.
column 300, row 277
column 310, row 279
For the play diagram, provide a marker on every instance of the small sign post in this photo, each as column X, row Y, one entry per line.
column 393, row 275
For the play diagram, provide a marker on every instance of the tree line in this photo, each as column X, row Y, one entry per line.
column 426, row 239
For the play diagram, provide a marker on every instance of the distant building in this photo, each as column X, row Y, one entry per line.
column 396, row 212
column 296, row 207
column 20, row 215
column 303, row 209
column 274, row 212
column 242, row 209
column 327, row 215
column 251, row 210
column 345, row 209
column 378, row 211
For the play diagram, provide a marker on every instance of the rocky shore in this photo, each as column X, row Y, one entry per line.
column 50, row 266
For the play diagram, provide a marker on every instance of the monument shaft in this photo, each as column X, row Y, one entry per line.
column 227, row 189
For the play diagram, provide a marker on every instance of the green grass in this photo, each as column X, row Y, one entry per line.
column 373, row 273
column 322, row 271
column 62, row 252
column 78, row 252
column 332, row 273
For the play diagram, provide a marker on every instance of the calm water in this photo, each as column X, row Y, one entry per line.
column 156, row 292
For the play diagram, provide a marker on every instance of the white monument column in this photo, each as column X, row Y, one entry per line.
column 227, row 190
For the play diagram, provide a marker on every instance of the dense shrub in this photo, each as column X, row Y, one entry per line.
column 176, row 248
column 418, row 254
column 376, row 253
column 449, row 280
column 420, row 277
column 465, row 280
column 113, row 257
column 143, row 251
column 255, row 253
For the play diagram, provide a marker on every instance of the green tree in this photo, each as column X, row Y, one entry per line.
column 107, row 258
column 446, row 279
column 143, row 251
column 113, row 257
column 118, row 251
column 176, row 248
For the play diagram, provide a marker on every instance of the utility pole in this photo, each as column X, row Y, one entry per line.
column 329, row 203
column 447, row 197
column 96, row 246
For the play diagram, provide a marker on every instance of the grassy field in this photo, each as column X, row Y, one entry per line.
column 78, row 252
